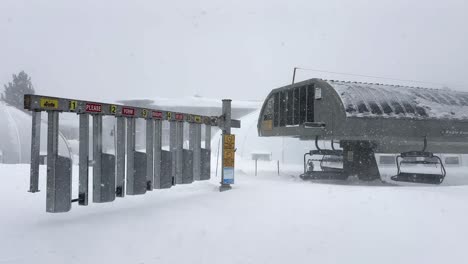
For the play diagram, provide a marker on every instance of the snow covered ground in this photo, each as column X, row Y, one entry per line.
column 264, row 219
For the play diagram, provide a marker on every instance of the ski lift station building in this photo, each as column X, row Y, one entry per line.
column 365, row 119
column 394, row 118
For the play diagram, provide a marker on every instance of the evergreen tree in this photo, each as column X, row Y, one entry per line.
column 15, row 91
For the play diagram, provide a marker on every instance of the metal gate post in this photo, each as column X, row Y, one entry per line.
column 173, row 148
column 179, row 151
column 195, row 146
column 157, row 153
column 58, row 194
column 83, row 192
column 120, row 157
column 208, row 137
column 205, row 159
column 226, row 131
column 97, row 157
column 35, row 151
column 52, row 153
column 149, row 154
column 130, row 156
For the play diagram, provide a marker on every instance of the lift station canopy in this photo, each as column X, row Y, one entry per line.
column 396, row 118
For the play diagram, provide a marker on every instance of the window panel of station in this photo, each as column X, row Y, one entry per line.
column 302, row 104
column 297, row 106
column 290, row 107
column 269, row 109
column 283, row 110
column 310, row 103
column 276, row 115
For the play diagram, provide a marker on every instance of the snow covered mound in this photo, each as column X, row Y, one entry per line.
column 381, row 100
column 15, row 136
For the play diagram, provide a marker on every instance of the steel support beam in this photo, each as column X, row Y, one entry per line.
column 195, row 147
column 52, row 153
column 130, row 156
column 157, row 153
column 58, row 195
column 179, row 152
column 173, row 148
column 120, row 156
column 97, row 155
column 208, row 137
column 35, row 151
column 83, row 192
column 149, row 154
column 226, row 131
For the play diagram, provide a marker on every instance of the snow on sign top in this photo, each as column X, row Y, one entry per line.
column 390, row 101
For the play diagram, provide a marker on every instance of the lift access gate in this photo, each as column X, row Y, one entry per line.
column 129, row 171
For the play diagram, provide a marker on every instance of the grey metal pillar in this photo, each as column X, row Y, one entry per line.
column 97, row 157
column 83, row 192
column 130, row 156
column 173, row 148
column 157, row 153
column 120, row 157
column 195, row 146
column 207, row 137
column 205, row 163
column 58, row 194
column 179, row 151
column 226, row 131
column 149, row 154
column 35, row 151
column 52, row 153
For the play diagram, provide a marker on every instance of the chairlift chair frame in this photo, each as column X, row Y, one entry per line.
column 326, row 172
column 417, row 177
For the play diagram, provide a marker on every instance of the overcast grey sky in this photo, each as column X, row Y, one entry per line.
column 112, row 49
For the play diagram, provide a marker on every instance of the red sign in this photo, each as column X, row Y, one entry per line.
column 158, row 115
column 179, row 117
column 128, row 111
column 94, row 108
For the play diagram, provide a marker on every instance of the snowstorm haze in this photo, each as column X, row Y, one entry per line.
column 112, row 49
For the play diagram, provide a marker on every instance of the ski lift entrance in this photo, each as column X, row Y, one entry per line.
column 128, row 171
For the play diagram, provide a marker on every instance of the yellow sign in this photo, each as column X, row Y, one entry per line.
column 229, row 141
column 168, row 115
column 198, row 119
column 49, row 103
column 72, row 105
column 144, row 113
column 267, row 125
column 113, row 109
column 228, row 158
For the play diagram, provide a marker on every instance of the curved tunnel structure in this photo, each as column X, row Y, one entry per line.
column 392, row 118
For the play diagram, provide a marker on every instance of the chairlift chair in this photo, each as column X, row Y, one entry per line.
column 419, row 157
column 326, row 158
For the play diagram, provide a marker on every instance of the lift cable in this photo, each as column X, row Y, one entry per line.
column 375, row 77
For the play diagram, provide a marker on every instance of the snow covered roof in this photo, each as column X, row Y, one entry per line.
column 382, row 100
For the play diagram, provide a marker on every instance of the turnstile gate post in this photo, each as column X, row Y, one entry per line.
column 120, row 157
column 149, row 154
column 35, row 151
column 195, row 147
column 83, row 180
column 58, row 194
column 130, row 156
column 157, row 153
